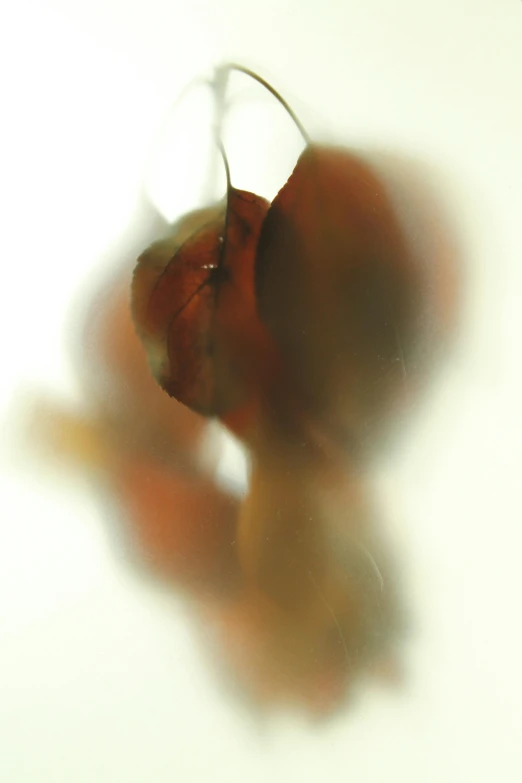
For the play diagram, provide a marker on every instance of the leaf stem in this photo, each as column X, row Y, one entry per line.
column 225, row 70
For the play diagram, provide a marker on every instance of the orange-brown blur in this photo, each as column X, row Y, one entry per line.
column 296, row 580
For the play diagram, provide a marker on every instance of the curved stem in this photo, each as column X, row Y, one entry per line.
column 218, row 85
column 224, row 158
column 224, row 236
column 253, row 75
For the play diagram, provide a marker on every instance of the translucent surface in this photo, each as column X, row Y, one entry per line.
column 106, row 676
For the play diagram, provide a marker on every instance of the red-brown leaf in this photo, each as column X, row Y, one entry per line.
column 339, row 290
column 194, row 307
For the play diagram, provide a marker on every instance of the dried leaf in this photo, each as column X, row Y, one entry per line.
column 182, row 524
column 194, row 307
column 122, row 391
column 338, row 288
column 319, row 605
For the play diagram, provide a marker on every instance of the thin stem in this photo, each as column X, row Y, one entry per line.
column 218, row 85
column 242, row 69
column 224, row 236
column 224, row 158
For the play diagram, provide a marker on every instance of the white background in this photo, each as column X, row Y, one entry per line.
column 101, row 676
